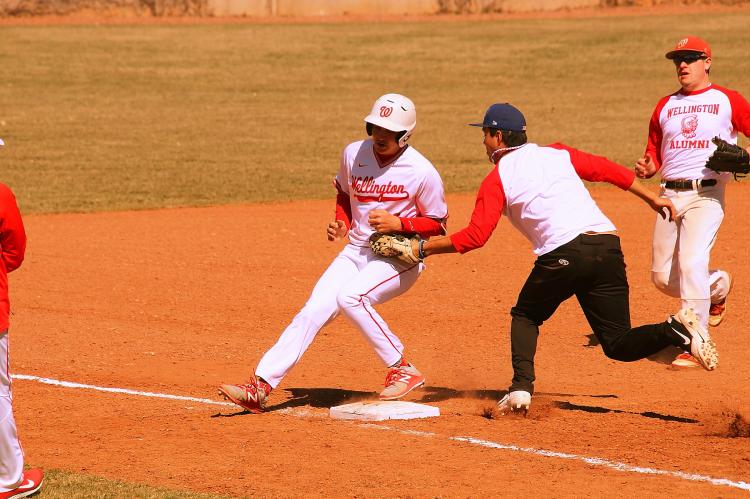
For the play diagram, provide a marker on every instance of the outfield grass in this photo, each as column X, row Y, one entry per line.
column 64, row 485
column 127, row 117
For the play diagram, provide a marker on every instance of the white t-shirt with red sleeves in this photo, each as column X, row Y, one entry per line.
column 409, row 186
column 683, row 124
column 540, row 190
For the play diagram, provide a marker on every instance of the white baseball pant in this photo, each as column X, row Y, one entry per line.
column 355, row 281
column 682, row 250
column 11, row 454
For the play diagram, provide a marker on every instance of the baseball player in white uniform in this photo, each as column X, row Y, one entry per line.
column 540, row 190
column 679, row 143
column 15, row 481
column 383, row 185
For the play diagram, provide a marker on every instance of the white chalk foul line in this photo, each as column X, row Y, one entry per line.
column 594, row 461
column 70, row 384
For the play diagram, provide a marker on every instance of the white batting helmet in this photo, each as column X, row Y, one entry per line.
column 393, row 112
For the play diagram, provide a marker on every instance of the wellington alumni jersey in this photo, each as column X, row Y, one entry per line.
column 683, row 124
column 409, row 186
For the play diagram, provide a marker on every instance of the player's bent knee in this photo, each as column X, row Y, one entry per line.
column 319, row 307
column 697, row 272
column 693, row 263
column 660, row 280
column 619, row 354
column 348, row 300
column 522, row 316
column 662, row 283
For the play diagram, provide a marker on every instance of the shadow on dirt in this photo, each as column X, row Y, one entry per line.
column 322, row 397
column 313, row 397
column 331, row 397
column 440, row 393
column 603, row 410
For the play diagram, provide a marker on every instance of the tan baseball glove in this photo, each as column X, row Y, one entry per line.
column 395, row 246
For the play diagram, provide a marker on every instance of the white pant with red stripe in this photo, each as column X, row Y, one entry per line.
column 11, row 455
column 356, row 280
column 682, row 250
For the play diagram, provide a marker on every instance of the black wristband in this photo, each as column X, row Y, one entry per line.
column 421, row 254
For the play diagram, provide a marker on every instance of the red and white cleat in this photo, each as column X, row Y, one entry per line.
column 32, row 482
column 717, row 310
column 716, row 313
column 251, row 396
column 400, row 381
column 685, row 360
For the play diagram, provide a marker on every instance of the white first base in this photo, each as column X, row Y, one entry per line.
column 382, row 410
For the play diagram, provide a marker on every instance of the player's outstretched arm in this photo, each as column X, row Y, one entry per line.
column 436, row 246
column 660, row 205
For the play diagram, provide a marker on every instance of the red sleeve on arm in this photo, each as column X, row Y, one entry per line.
column 343, row 207
column 487, row 211
column 598, row 168
column 12, row 233
column 424, row 226
column 655, row 133
column 740, row 112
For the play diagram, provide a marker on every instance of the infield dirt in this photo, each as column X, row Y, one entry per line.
column 178, row 301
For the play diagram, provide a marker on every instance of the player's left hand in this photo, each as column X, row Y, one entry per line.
column 384, row 222
column 664, row 207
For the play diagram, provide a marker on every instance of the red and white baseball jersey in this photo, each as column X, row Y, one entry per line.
column 540, row 190
column 408, row 187
column 12, row 247
column 683, row 124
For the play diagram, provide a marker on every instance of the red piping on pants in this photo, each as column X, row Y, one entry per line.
column 370, row 314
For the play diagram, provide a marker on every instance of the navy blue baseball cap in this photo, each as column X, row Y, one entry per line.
column 503, row 116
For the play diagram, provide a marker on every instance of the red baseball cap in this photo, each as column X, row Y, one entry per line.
column 690, row 44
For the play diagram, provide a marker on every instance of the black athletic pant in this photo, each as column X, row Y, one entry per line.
column 592, row 268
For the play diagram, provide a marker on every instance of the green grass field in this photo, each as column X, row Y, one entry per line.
column 103, row 118
column 129, row 117
column 64, row 485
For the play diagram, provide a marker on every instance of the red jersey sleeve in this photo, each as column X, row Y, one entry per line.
column 424, row 226
column 597, row 168
column 487, row 211
column 655, row 133
column 740, row 111
column 12, row 233
column 343, row 206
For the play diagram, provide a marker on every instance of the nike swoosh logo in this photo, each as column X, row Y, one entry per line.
column 685, row 338
column 361, row 165
column 28, row 485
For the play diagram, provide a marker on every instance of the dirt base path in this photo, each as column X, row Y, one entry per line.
column 179, row 301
